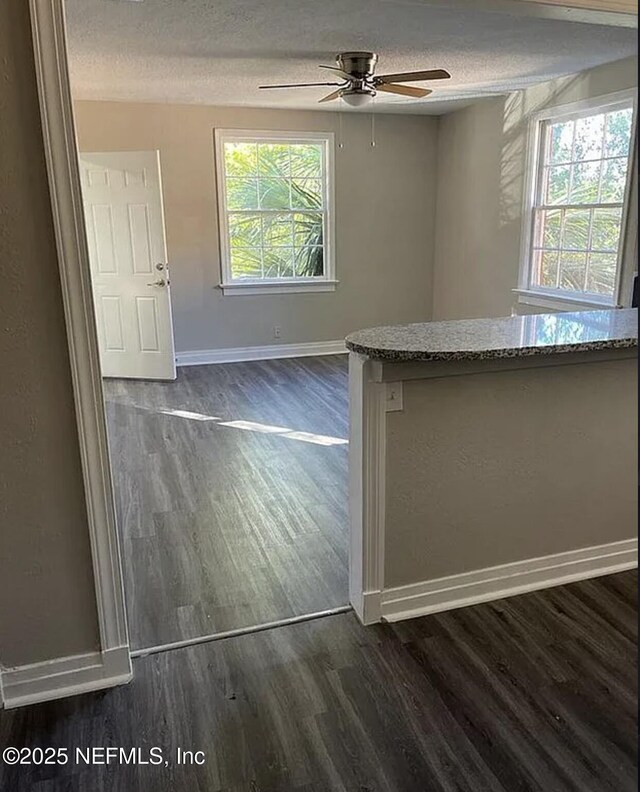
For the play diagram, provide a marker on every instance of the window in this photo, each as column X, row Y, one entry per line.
column 275, row 192
column 576, row 215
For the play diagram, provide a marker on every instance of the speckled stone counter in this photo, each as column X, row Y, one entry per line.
column 513, row 336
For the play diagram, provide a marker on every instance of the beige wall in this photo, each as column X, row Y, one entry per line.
column 491, row 468
column 384, row 229
column 47, row 603
column 481, row 167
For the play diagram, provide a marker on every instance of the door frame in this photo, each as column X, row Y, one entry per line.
column 61, row 154
column 58, row 132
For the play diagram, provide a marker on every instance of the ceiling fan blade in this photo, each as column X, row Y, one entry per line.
column 330, row 97
column 299, row 85
column 432, row 74
column 404, row 90
column 338, row 70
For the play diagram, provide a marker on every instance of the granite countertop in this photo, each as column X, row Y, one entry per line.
column 512, row 336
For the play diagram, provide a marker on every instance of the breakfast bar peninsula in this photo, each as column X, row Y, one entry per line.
column 490, row 457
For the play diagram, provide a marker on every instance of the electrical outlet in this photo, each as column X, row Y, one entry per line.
column 276, row 331
column 394, row 397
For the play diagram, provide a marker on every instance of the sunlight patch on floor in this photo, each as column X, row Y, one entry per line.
column 253, row 426
column 192, row 416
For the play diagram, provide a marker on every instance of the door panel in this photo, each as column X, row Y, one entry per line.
column 127, row 251
column 140, row 234
column 103, row 238
column 112, row 323
column 147, row 313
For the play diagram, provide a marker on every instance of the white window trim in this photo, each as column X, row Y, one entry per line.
column 554, row 298
column 326, row 283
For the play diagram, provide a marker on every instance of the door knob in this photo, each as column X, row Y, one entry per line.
column 159, row 282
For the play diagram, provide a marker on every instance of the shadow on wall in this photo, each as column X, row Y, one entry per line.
column 518, row 109
column 481, row 181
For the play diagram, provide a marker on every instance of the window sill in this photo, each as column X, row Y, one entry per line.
column 281, row 287
column 555, row 302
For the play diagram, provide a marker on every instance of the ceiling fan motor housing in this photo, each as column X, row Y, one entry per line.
column 360, row 65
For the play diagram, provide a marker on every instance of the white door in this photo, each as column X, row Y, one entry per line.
column 127, row 250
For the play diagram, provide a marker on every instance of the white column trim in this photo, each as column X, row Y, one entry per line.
column 48, row 28
column 367, row 483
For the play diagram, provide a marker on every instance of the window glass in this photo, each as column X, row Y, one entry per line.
column 276, row 208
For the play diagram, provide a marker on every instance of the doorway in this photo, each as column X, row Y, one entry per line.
column 230, row 480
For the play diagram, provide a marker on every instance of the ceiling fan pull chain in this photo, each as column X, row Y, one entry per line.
column 373, row 122
column 340, row 112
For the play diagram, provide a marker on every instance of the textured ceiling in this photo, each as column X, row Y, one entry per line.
column 219, row 51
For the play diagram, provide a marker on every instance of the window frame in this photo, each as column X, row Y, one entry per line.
column 545, row 297
column 325, row 283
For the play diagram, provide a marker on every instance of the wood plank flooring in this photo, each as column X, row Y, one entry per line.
column 536, row 693
column 227, row 526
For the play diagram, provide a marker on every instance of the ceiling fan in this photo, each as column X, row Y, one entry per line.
column 359, row 84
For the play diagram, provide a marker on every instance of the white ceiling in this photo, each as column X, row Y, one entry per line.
column 218, row 51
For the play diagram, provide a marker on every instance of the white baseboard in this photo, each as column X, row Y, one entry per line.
column 65, row 676
column 506, row 580
column 201, row 357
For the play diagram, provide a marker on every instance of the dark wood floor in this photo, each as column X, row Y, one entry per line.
column 230, row 526
column 532, row 694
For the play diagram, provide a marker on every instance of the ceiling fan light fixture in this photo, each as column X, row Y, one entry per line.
column 357, row 98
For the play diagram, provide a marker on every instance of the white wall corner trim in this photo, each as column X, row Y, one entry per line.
column 506, row 580
column 65, row 676
column 203, row 357
column 47, row 19
column 367, row 482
